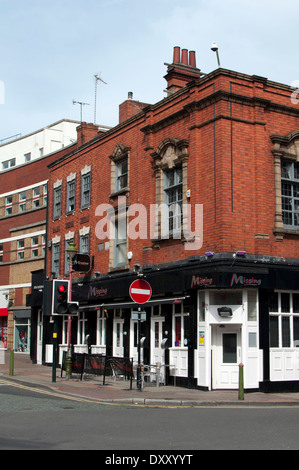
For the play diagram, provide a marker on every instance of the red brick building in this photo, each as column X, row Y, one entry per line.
column 200, row 192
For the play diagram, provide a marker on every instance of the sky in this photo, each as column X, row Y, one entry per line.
column 50, row 51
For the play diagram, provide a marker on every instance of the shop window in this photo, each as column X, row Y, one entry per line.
column 181, row 326
column 64, row 330
column 252, row 305
column 82, row 322
column 284, row 320
column 22, row 335
column 101, row 328
column 118, row 334
column 3, row 332
column 226, row 298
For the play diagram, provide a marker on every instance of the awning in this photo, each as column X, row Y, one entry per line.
column 3, row 312
column 150, row 303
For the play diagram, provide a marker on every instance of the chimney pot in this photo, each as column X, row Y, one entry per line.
column 176, row 55
column 184, row 59
column 192, row 59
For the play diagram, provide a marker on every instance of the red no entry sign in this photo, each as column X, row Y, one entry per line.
column 140, row 291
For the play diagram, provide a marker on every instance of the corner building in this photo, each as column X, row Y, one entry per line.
column 199, row 195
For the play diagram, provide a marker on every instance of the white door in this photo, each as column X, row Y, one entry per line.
column 39, row 346
column 226, row 357
column 118, row 346
column 157, row 353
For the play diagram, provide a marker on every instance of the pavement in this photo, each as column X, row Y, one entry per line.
column 118, row 391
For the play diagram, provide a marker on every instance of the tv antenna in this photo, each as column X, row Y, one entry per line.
column 97, row 78
column 81, row 106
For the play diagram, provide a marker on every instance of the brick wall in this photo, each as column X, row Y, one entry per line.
column 227, row 119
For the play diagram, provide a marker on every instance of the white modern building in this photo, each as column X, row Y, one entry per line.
column 17, row 150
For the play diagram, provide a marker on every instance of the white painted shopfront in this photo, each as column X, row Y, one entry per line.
column 228, row 335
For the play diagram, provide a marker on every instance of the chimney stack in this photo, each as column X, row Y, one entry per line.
column 182, row 70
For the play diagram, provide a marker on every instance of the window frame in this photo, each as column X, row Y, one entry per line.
column 180, row 318
column 290, row 181
column 173, row 198
column 57, row 200
column 85, row 189
column 282, row 323
column 71, row 196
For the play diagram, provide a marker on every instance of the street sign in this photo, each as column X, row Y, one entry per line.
column 81, row 263
column 139, row 316
column 140, row 291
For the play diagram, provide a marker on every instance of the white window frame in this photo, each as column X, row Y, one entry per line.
column 280, row 315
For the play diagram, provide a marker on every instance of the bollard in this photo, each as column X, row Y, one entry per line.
column 241, row 382
column 11, row 362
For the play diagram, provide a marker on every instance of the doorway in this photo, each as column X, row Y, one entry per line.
column 118, row 345
column 226, row 356
column 157, row 353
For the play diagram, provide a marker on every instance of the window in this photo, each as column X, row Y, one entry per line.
column 181, row 325
column 8, row 163
column 8, row 205
column 22, row 201
column 121, row 174
column 101, row 329
column 120, row 165
column 284, row 320
column 66, row 256
column 173, row 198
column 57, row 203
column 81, row 329
column 85, row 194
column 290, row 193
column 56, row 259
column 34, row 247
column 1, row 252
column 84, row 243
column 71, row 187
column 170, row 165
column 21, row 248
column 120, row 240
column 35, row 202
column 45, row 194
column 27, row 157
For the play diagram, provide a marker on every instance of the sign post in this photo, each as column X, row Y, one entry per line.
column 140, row 292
